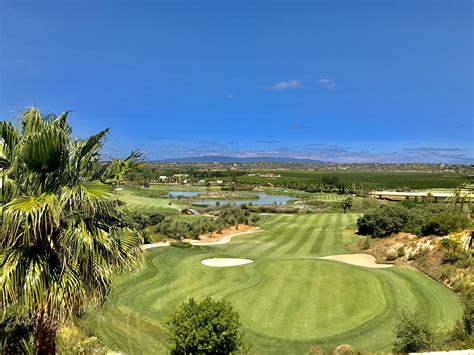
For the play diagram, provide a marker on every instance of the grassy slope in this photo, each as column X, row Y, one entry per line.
column 287, row 300
column 149, row 204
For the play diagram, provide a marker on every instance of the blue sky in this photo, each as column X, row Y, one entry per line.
column 343, row 81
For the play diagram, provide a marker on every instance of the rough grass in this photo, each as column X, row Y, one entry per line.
column 287, row 298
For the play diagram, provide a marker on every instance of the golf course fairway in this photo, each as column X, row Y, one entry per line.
column 288, row 299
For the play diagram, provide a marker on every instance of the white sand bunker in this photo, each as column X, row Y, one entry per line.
column 225, row 262
column 365, row 260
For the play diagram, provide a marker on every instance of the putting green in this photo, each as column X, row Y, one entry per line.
column 288, row 299
column 326, row 299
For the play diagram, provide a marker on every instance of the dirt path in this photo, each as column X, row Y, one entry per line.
column 365, row 260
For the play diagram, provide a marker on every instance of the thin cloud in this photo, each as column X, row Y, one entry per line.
column 232, row 97
column 269, row 142
column 431, row 150
column 299, row 126
column 328, row 84
column 285, row 85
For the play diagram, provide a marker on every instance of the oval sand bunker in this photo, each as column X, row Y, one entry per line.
column 365, row 260
column 225, row 262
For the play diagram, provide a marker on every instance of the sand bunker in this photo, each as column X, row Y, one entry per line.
column 365, row 260
column 225, row 262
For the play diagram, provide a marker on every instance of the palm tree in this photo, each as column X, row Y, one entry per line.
column 463, row 194
column 63, row 237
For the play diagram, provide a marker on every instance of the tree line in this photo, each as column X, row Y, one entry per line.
column 227, row 216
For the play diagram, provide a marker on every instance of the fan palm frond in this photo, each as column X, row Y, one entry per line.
column 62, row 238
column 45, row 151
column 31, row 218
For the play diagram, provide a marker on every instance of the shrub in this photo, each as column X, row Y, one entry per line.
column 412, row 333
column 445, row 223
column 72, row 340
column 452, row 250
column 391, row 257
column 346, row 204
column 155, row 218
column 425, row 219
column 206, row 327
column 401, row 252
column 366, row 244
column 461, row 336
column 181, row 245
column 412, row 256
column 384, row 221
column 15, row 332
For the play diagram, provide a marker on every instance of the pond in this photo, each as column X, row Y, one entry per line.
column 184, row 193
column 263, row 199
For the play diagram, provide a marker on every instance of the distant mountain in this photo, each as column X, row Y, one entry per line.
column 227, row 159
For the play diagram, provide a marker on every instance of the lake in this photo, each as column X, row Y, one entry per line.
column 263, row 199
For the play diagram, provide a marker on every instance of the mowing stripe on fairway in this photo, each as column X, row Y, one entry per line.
column 303, row 243
column 287, row 299
column 321, row 236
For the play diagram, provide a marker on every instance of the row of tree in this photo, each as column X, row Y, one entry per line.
column 420, row 219
column 226, row 216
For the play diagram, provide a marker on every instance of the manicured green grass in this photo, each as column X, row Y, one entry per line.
column 180, row 187
column 326, row 197
column 288, row 299
column 149, row 204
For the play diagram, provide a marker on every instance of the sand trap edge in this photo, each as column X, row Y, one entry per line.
column 364, row 260
column 225, row 262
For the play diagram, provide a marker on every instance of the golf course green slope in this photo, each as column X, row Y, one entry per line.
column 149, row 204
column 288, row 298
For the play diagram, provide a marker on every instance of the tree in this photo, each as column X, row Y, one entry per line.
column 445, row 223
column 386, row 220
column 346, row 204
column 206, row 327
column 62, row 236
column 412, row 333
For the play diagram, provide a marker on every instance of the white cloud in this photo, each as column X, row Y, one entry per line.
column 285, row 85
column 328, row 84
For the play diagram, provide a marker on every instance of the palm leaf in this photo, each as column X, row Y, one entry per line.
column 9, row 141
column 44, row 151
column 30, row 217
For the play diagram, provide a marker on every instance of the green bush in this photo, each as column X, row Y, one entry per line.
column 452, row 250
column 346, row 204
column 181, row 245
column 409, row 216
column 206, row 327
column 445, row 223
column 15, row 332
column 413, row 334
column 385, row 220
column 401, row 252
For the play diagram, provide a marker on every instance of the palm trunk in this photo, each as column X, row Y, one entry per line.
column 44, row 333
